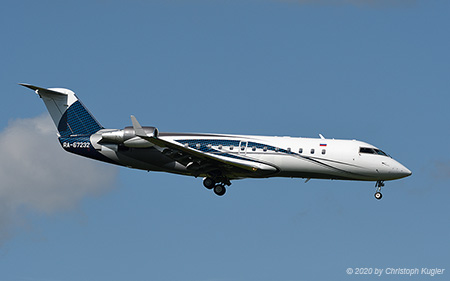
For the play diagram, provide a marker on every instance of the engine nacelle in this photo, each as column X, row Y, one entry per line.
column 128, row 137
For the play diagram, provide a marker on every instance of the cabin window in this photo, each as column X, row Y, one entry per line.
column 220, row 146
column 265, row 148
column 243, row 148
column 231, row 147
column 312, row 150
column 254, row 148
column 300, row 150
column 324, row 151
column 277, row 149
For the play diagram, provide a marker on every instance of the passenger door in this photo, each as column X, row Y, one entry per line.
column 243, row 148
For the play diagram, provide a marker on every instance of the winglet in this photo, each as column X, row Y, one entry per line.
column 137, row 127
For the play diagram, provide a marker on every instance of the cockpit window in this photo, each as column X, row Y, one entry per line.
column 366, row 150
column 379, row 152
column 370, row 150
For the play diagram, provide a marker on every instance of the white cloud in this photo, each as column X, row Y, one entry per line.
column 37, row 175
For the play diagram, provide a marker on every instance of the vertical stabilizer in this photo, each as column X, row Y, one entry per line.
column 70, row 116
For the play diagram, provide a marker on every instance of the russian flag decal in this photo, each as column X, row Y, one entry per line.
column 323, row 144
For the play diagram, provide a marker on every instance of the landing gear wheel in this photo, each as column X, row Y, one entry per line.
column 208, row 183
column 378, row 195
column 220, row 189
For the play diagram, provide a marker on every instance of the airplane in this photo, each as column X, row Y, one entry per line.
column 217, row 158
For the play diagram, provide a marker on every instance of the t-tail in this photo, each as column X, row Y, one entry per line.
column 74, row 122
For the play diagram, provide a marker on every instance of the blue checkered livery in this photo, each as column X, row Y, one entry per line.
column 77, row 121
column 207, row 144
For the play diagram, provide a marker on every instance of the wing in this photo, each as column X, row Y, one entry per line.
column 207, row 160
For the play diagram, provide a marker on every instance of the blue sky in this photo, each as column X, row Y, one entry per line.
column 377, row 71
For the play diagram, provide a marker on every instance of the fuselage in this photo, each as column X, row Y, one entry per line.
column 278, row 156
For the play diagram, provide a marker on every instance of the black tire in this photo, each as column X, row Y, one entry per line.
column 378, row 195
column 208, row 183
column 220, row 190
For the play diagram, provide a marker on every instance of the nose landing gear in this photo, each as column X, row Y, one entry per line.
column 378, row 194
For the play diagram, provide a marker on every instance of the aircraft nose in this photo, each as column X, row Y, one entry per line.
column 405, row 171
column 408, row 172
column 401, row 170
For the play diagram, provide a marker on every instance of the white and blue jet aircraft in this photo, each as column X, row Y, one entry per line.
column 218, row 158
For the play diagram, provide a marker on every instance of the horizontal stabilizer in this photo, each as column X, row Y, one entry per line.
column 40, row 90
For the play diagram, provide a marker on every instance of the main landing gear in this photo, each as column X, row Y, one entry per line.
column 217, row 185
column 379, row 185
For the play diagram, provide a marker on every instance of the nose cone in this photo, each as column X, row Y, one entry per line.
column 405, row 172
column 400, row 171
